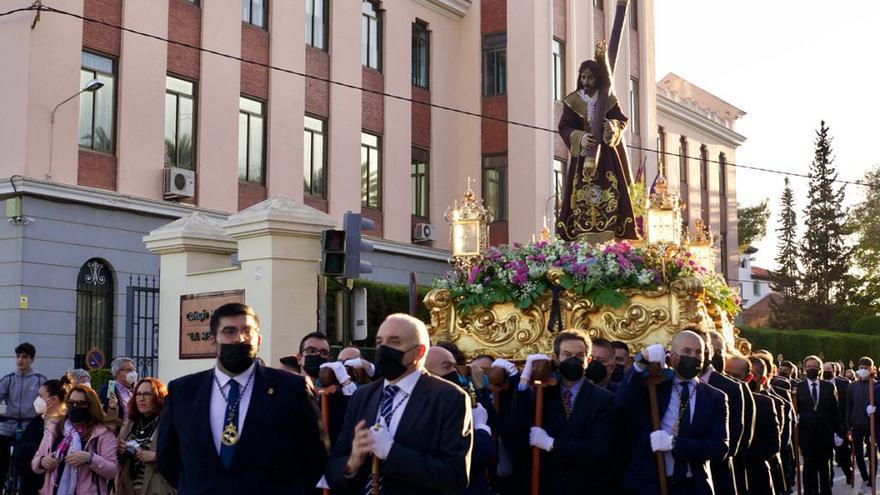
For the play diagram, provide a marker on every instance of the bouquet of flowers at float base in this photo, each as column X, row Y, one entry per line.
column 518, row 273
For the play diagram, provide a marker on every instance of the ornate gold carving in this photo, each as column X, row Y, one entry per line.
column 638, row 320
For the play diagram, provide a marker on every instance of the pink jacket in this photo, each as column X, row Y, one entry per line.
column 91, row 479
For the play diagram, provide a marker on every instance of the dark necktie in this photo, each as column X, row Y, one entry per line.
column 386, row 412
column 679, row 472
column 566, row 402
column 231, row 417
column 815, row 394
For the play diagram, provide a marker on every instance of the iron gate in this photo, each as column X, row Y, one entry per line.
column 142, row 323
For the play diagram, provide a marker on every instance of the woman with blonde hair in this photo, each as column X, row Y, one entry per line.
column 138, row 474
column 78, row 454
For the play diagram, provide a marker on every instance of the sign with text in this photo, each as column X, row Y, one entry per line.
column 195, row 316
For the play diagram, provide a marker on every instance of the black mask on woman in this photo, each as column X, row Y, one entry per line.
column 688, row 366
column 235, row 358
column 389, row 362
column 79, row 414
column 827, row 375
column 617, row 374
column 312, row 365
column 813, row 373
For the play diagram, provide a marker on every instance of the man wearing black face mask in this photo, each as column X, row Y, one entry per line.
column 602, row 364
column 622, row 360
column 577, row 420
column 314, row 350
column 417, row 425
column 240, row 427
column 693, row 426
column 762, row 456
column 820, row 428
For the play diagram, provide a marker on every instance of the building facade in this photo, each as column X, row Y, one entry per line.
column 204, row 123
column 696, row 136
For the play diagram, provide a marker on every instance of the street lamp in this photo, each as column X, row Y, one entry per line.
column 469, row 234
column 90, row 87
column 702, row 247
column 664, row 214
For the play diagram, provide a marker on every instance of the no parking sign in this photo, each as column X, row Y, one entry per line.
column 95, row 359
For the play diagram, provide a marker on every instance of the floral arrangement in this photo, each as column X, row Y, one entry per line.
column 518, row 273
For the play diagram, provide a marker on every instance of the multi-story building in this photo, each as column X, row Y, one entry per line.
column 696, row 135
column 221, row 117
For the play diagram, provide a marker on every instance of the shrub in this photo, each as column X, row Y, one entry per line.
column 99, row 377
column 794, row 345
column 867, row 325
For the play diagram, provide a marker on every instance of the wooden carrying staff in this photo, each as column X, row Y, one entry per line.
column 541, row 378
column 794, row 442
column 873, row 442
column 330, row 385
column 655, row 377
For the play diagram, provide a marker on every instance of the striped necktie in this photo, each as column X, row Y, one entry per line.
column 386, row 412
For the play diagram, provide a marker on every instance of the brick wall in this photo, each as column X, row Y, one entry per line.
column 250, row 193
column 185, row 26
column 254, row 47
column 317, row 92
column 559, row 18
column 316, row 203
column 96, row 170
column 493, row 16
column 372, row 104
column 99, row 37
column 376, row 216
column 494, row 133
column 421, row 118
column 498, row 233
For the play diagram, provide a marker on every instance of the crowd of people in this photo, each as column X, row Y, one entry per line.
column 591, row 418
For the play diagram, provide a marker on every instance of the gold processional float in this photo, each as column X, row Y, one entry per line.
column 509, row 301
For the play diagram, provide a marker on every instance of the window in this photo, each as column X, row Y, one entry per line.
column 558, row 70
column 371, row 47
column 254, row 12
column 314, row 157
column 599, row 4
column 494, row 64
column 94, row 310
column 704, row 168
column 495, row 186
column 371, row 171
column 661, row 146
column 251, row 140
column 420, row 54
column 180, row 123
column 722, row 174
column 420, row 181
column 682, row 160
column 634, row 15
column 97, row 109
column 634, row 105
column 316, row 23
column 559, row 180
column 756, row 288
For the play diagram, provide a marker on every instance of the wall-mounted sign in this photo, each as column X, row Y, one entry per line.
column 195, row 316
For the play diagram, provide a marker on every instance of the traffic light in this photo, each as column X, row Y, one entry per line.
column 354, row 223
column 333, row 253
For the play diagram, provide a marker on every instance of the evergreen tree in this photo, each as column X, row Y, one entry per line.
column 785, row 313
column 865, row 223
column 824, row 253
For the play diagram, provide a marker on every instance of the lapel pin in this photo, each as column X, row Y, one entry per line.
column 271, row 390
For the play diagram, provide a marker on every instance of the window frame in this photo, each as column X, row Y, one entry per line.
column 559, row 174
column 325, row 24
column 265, row 18
column 498, row 50
column 365, row 47
column 558, row 69
column 324, row 175
column 95, row 73
column 420, row 27
column 704, row 168
column 635, row 103
column 599, row 4
column 250, row 114
column 425, row 175
column 722, row 174
column 683, row 164
column 501, row 213
column 661, row 147
column 195, row 119
column 378, row 148
column 634, row 15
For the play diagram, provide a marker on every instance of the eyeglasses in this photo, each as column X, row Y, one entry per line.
column 314, row 351
column 246, row 332
column 77, row 403
column 143, row 395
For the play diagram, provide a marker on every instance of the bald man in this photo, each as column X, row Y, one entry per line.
column 361, row 370
column 693, row 426
column 416, row 424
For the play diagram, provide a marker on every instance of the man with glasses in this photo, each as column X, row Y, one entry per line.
column 240, row 427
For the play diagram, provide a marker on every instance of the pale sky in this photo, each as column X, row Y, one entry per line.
column 788, row 64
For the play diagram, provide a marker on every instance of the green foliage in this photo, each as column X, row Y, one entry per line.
column 382, row 300
column 786, row 313
column 794, row 345
column 867, row 325
column 864, row 222
column 751, row 223
column 99, row 377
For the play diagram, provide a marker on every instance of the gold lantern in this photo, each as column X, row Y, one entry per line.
column 663, row 214
column 469, row 233
column 702, row 246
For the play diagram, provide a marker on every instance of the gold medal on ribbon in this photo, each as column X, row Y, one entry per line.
column 230, row 435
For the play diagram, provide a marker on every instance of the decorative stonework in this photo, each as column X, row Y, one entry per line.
column 455, row 9
column 194, row 232
column 277, row 215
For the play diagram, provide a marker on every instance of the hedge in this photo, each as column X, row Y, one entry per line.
column 99, row 377
column 794, row 345
column 867, row 325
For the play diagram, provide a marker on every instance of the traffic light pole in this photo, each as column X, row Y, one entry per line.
column 344, row 290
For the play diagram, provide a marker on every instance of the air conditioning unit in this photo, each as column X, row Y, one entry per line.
column 178, row 183
column 424, row 232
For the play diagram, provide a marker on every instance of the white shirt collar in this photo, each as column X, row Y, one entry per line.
column 705, row 376
column 817, row 381
column 407, row 383
column 242, row 377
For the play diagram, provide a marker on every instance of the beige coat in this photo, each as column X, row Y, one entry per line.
column 154, row 482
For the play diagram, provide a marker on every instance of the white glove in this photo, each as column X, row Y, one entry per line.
column 797, row 419
column 362, row 364
column 509, row 367
column 382, row 441
column 837, row 440
column 661, row 441
column 527, row 369
column 338, row 370
column 539, row 438
column 481, row 418
column 655, row 354
column 870, row 409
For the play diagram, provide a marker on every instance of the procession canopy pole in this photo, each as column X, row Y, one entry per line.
column 541, row 377
column 330, row 385
column 655, row 376
column 873, row 439
column 797, row 454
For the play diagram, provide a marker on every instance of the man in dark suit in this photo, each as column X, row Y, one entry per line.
column 240, row 427
column 575, row 438
column 734, row 369
column 417, row 425
column 820, row 428
column 831, row 372
column 693, row 415
column 783, row 467
column 723, row 477
column 765, row 446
